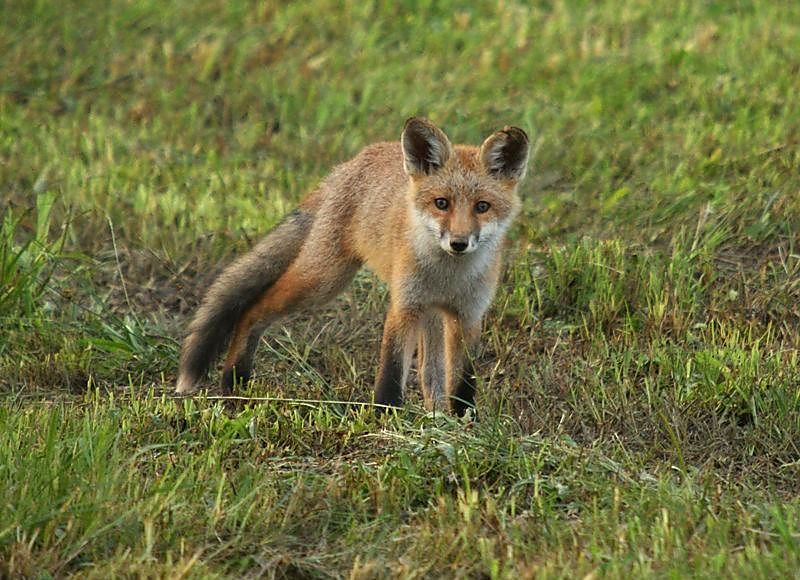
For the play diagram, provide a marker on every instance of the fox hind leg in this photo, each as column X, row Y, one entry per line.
column 303, row 285
column 237, row 287
column 240, row 370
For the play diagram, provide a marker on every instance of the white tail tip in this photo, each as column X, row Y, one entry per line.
column 185, row 386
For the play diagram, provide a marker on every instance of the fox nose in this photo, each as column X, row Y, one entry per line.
column 458, row 245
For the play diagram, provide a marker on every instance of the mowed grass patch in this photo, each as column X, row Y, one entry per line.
column 326, row 491
column 638, row 388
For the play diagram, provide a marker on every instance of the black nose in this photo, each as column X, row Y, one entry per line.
column 458, row 245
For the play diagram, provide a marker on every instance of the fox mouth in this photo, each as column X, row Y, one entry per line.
column 457, row 248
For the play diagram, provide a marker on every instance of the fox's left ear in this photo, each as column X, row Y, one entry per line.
column 505, row 154
column 426, row 148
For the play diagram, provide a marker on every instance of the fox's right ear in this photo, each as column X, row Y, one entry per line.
column 505, row 154
column 425, row 147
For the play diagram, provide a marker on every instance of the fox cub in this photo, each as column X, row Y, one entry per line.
column 428, row 217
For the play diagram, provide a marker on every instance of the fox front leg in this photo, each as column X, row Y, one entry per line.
column 431, row 361
column 461, row 340
column 397, row 347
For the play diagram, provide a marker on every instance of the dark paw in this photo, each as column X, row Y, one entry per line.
column 233, row 379
column 461, row 408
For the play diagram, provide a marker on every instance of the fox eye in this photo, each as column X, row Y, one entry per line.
column 441, row 203
column 482, row 206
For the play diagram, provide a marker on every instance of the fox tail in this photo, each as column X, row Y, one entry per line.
column 236, row 289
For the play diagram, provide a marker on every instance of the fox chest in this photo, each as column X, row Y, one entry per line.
column 462, row 286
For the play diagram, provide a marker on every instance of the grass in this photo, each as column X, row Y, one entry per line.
column 640, row 381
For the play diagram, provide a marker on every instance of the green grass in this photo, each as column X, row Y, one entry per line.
column 640, row 378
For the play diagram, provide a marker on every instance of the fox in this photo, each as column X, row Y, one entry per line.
column 429, row 218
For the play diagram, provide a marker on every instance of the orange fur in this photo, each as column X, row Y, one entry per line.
column 427, row 217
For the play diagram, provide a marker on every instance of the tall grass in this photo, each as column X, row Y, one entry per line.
column 638, row 379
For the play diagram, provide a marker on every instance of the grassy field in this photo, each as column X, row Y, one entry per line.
column 639, row 375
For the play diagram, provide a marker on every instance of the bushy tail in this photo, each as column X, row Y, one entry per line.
column 234, row 291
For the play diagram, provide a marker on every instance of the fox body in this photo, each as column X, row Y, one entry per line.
column 429, row 218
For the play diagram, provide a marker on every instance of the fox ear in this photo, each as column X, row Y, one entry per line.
column 505, row 154
column 425, row 147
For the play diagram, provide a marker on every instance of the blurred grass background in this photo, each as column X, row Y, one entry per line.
column 639, row 370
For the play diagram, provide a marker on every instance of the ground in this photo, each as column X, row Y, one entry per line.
column 639, row 376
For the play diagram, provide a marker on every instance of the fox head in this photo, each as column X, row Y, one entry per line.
column 463, row 197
